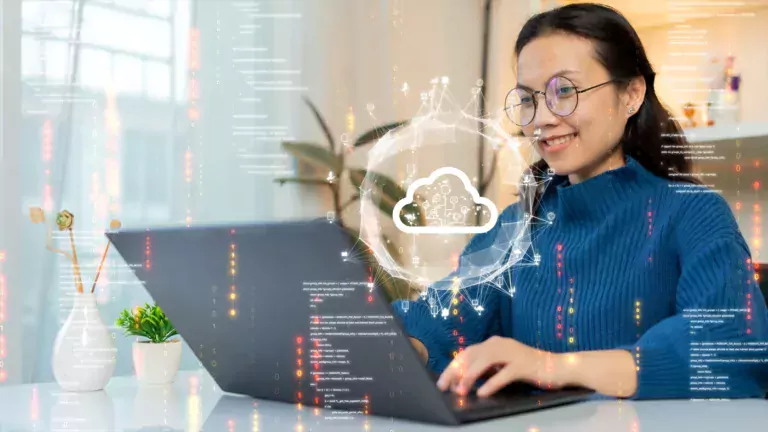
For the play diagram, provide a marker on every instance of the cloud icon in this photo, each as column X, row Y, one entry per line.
column 446, row 212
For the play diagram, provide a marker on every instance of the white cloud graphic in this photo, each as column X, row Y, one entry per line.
column 477, row 200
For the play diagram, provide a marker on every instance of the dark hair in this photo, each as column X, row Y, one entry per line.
column 619, row 49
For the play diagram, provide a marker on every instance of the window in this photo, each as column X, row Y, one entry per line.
column 31, row 63
column 158, row 81
column 128, row 74
column 160, row 8
column 145, row 180
column 55, row 61
column 47, row 18
column 126, row 32
column 95, row 69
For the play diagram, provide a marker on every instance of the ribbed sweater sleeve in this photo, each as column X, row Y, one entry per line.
column 717, row 279
column 443, row 336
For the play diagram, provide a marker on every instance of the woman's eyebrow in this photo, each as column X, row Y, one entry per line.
column 561, row 72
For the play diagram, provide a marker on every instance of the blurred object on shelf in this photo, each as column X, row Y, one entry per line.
column 705, row 115
column 689, row 111
column 724, row 99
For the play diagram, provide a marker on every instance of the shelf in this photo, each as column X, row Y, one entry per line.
column 649, row 14
column 727, row 132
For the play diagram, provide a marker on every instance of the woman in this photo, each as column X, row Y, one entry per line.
column 632, row 256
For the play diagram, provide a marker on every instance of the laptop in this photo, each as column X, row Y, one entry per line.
column 289, row 312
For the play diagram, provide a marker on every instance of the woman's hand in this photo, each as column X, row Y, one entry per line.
column 508, row 360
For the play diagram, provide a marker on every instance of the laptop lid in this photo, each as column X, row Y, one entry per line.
column 286, row 312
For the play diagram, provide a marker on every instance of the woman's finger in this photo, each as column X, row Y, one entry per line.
column 480, row 365
column 500, row 380
column 451, row 375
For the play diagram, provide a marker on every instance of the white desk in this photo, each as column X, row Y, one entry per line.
column 195, row 403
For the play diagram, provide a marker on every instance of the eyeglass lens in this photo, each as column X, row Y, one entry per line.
column 560, row 95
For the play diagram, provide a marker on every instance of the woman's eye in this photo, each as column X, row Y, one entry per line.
column 565, row 91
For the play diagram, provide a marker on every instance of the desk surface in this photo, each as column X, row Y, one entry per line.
column 195, row 403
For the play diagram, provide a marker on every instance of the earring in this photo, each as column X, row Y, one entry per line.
column 631, row 110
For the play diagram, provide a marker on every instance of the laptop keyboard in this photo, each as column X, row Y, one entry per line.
column 471, row 402
column 518, row 397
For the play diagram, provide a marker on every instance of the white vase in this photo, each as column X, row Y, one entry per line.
column 84, row 351
column 156, row 363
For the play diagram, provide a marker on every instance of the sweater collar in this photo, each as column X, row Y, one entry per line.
column 596, row 197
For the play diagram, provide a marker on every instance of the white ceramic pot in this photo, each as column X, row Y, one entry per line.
column 84, row 350
column 156, row 363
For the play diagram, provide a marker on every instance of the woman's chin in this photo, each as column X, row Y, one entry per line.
column 559, row 167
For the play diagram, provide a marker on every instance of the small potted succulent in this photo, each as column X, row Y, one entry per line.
column 156, row 357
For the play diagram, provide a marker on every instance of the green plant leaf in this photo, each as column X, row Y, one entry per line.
column 314, row 155
column 148, row 322
column 302, row 180
column 388, row 193
column 376, row 133
column 323, row 124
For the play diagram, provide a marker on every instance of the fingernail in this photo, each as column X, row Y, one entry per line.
column 460, row 389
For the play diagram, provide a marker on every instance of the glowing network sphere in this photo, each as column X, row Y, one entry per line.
column 442, row 209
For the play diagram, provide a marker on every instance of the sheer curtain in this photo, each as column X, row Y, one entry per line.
column 100, row 143
column 174, row 117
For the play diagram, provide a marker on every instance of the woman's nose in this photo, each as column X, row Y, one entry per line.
column 543, row 116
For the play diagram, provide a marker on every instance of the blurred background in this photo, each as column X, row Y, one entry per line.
column 173, row 112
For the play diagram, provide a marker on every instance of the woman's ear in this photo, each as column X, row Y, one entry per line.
column 634, row 95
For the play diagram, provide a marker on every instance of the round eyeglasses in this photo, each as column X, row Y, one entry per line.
column 561, row 96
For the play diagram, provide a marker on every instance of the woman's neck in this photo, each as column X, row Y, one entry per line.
column 614, row 160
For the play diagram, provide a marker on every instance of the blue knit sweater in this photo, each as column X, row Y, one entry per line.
column 630, row 261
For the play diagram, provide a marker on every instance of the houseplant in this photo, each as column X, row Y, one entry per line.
column 156, row 356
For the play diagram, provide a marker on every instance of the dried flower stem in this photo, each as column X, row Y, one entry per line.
column 98, row 272
column 75, row 264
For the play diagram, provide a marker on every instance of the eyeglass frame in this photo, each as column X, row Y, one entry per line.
column 544, row 93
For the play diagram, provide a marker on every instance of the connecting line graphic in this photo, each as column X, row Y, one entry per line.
column 445, row 202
